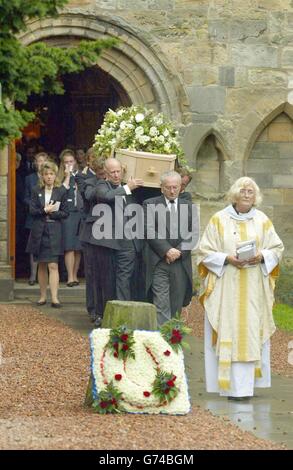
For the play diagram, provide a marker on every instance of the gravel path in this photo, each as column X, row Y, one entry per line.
column 43, row 377
column 194, row 315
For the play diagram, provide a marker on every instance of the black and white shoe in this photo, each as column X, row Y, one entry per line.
column 98, row 321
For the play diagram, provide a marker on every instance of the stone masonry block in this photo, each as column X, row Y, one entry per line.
column 254, row 55
column 3, row 250
column 219, row 31
column 207, row 100
column 287, row 57
column 3, row 231
column 263, row 77
column 3, row 208
column 282, row 167
column 288, row 196
column 285, row 150
column 273, row 196
column 227, row 76
column 280, row 132
column 282, row 181
column 6, row 290
column 243, row 30
column 265, row 150
column 263, row 180
column 3, row 185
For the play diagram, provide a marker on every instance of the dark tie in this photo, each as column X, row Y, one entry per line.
column 173, row 221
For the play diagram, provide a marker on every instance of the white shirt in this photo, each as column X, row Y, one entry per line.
column 48, row 194
column 169, row 204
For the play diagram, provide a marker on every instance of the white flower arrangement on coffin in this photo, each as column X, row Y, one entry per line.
column 137, row 372
column 140, row 129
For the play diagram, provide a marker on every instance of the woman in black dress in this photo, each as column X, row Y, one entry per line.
column 70, row 226
column 48, row 207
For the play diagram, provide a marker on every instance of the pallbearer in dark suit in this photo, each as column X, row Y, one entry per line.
column 124, row 248
column 48, row 207
column 72, row 245
column 86, row 182
column 168, row 260
column 114, row 259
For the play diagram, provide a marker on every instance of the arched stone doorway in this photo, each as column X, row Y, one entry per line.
column 133, row 72
column 136, row 63
column 73, row 119
column 64, row 121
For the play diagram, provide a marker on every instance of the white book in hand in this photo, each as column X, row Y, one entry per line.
column 56, row 206
column 246, row 250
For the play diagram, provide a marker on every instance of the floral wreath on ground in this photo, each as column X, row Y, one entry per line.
column 140, row 371
column 137, row 128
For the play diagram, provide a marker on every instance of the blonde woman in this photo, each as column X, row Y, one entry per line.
column 32, row 180
column 48, row 207
column 238, row 260
column 72, row 246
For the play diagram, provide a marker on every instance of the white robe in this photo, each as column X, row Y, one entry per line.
column 238, row 303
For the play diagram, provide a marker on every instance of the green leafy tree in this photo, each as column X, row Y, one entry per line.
column 36, row 68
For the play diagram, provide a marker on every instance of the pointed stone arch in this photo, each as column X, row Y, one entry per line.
column 269, row 160
column 137, row 63
column 209, row 157
column 256, row 121
column 270, row 151
column 219, row 143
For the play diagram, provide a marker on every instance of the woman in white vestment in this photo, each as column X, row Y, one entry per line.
column 239, row 257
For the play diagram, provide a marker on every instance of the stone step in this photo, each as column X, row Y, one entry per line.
column 73, row 294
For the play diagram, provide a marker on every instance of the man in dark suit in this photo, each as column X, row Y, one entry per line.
column 86, row 183
column 171, row 228
column 123, row 247
column 112, row 259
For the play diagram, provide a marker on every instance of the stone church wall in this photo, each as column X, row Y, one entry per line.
column 221, row 69
column 234, row 61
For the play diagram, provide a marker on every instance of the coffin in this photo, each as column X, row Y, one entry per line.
column 145, row 165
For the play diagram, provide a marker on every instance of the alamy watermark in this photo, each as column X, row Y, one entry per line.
column 153, row 221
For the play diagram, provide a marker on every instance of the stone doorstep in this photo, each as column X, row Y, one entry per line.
column 75, row 294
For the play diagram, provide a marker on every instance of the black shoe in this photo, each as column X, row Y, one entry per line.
column 239, row 398
column 42, row 302
column 56, row 305
column 75, row 283
column 31, row 283
column 70, row 284
column 98, row 321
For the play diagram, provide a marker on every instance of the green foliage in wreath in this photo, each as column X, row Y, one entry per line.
column 121, row 342
column 109, row 400
column 164, row 387
column 173, row 331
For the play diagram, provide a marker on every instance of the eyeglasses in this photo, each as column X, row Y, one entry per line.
column 171, row 188
column 249, row 192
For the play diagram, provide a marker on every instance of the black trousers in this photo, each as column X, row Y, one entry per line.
column 124, row 268
column 88, row 258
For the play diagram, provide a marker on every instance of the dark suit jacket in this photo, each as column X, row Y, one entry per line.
column 30, row 182
column 156, row 248
column 40, row 219
column 87, row 186
column 186, row 196
column 103, row 192
column 82, row 180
